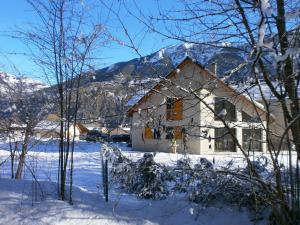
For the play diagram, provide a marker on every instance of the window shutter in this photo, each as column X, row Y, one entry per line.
column 177, row 109
column 174, row 109
column 177, row 132
column 149, row 133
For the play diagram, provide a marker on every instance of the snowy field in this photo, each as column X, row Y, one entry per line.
column 21, row 202
column 42, row 159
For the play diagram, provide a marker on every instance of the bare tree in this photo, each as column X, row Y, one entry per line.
column 25, row 109
column 62, row 43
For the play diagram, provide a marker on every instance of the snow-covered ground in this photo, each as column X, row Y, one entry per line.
column 21, row 203
column 233, row 160
column 43, row 160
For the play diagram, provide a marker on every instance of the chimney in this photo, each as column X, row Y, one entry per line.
column 213, row 68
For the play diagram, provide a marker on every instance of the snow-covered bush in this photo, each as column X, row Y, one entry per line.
column 206, row 185
column 111, row 153
column 211, row 186
column 182, row 175
column 205, row 163
column 186, row 177
column 145, row 178
column 201, row 182
column 151, row 178
column 183, row 164
column 259, row 166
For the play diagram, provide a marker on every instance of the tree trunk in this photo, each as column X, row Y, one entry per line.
column 23, row 154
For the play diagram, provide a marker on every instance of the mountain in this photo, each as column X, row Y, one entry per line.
column 10, row 82
column 164, row 60
column 16, row 92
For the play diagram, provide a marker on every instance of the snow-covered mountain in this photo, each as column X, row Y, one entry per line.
column 10, row 82
column 161, row 62
column 17, row 91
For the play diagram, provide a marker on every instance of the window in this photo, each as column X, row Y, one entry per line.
column 252, row 140
column 174, row 109
column 152, row 133
column 149, row 133
column 223, row 140
column 174, row 132
column 157, row 133
column 247, row 118
column 224, row 109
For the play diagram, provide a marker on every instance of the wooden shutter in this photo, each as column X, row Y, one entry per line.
column 149, row 133
column 177, row 109
column 174, row 109
column 178, row 132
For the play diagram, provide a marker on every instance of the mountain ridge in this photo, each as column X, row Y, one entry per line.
column 9, row 81
column 164, row 60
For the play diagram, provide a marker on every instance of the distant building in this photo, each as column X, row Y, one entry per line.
column 51, row 129
column 47, row 129
column 80, row 130
column 92, row 125
column 119, row 131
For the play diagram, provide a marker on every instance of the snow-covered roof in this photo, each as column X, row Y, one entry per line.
column 134, row 99
column 257, row 92
column 47, row 125
column 14, row 125
column 126, row 128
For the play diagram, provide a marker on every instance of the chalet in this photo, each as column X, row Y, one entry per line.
column 51, row 129
column 80, row 130
column 198, row 113
column 47, row 129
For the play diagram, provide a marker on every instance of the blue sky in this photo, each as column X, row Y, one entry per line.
column 17, row 13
